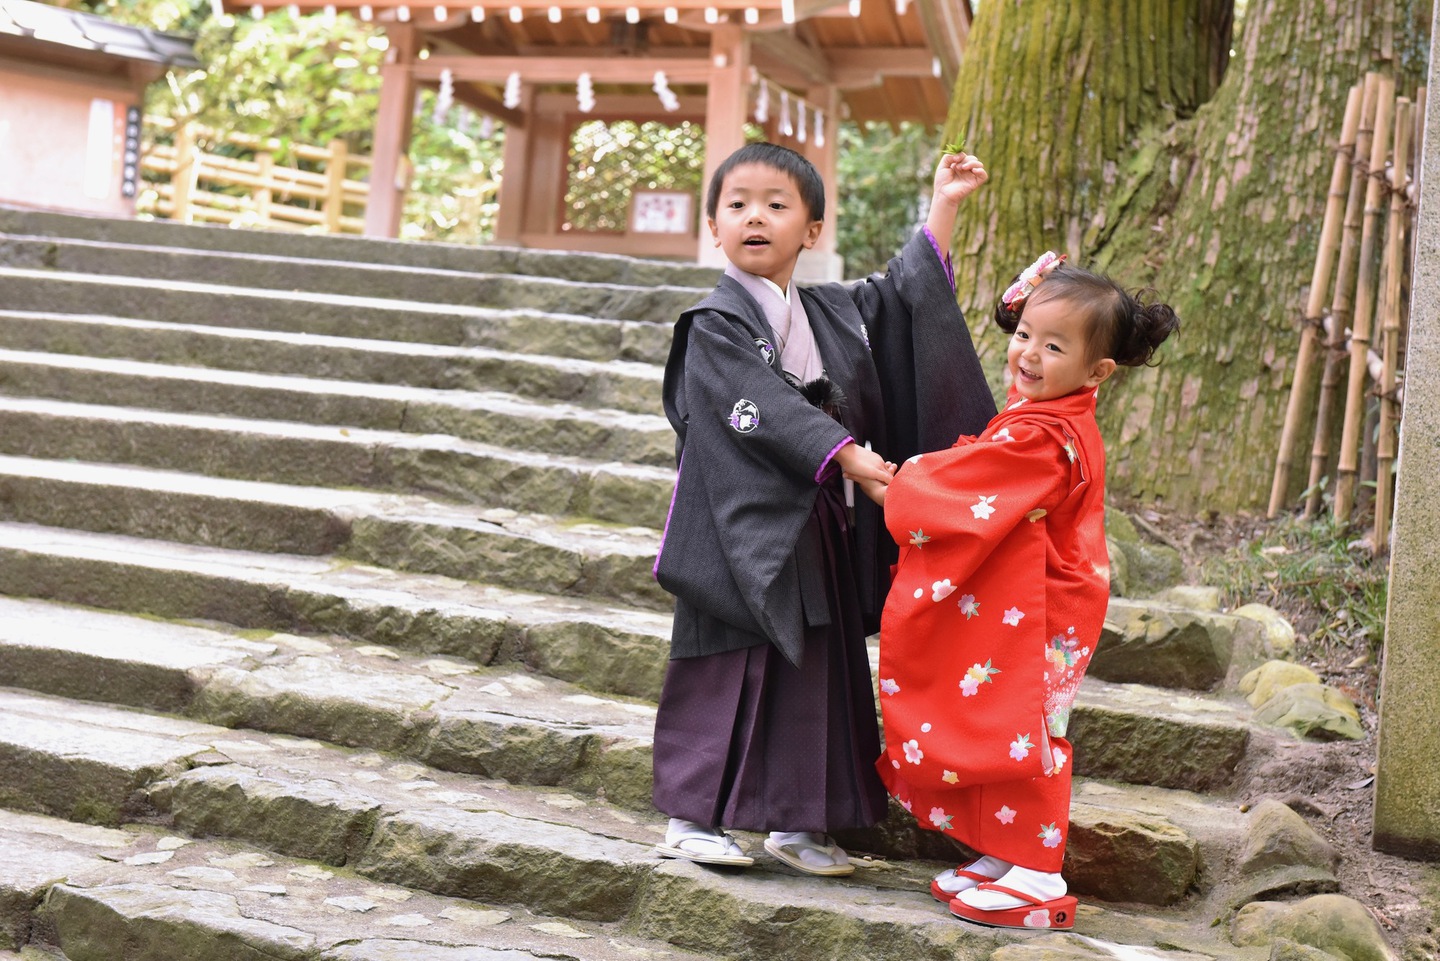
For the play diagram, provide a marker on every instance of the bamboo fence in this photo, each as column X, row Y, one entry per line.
column 1364, row 247
column 245, row 186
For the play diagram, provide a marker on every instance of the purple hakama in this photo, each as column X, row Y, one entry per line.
column 746, row 740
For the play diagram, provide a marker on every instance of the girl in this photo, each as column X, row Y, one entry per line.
column 999, row 596
column 766, row 719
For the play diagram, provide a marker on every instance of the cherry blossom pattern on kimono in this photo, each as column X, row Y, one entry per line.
column 963, row 634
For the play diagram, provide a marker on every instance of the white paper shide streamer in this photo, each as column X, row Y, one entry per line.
column 445, row 97
column 585, row 93
column 512, row 90
column 797, row 125
column 661, row 86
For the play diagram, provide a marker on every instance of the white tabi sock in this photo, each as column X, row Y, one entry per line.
column 952, row 883
column 1043, row 885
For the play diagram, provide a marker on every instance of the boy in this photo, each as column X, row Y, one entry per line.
column 767, row 716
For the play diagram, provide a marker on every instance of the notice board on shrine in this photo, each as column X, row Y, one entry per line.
column 70, row 114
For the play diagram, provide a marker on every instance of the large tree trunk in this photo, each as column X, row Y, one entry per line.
column 1110, row 134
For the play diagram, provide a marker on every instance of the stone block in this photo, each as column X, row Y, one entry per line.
column 27, row 872
column 494, row 857
column 76, row 770
column 1147, row 736
column 1278, row 633
column 1316, row 711
column 150, row 922
column 1265, row 681
column 314, row 819
column 325, row 698
column 1122, row 855
column 1143, row 643
column 1329, row 922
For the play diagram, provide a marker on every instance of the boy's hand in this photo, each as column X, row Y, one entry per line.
column 957, row 176
column 862, row 466
column 867, row 469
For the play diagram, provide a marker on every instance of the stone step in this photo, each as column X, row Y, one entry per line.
column 605, row 648
column 462, row 324
column 495, row 546
column 148, row 894
column 655, row 304
column 622, row 385
column 163, row 895
column 493, row 418
column 582, row 267
column 1165, row 645
column 306, row 454
column 459, row 836
column 450, row 715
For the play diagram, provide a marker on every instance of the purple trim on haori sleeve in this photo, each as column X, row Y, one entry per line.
column 825, row 465
column 655, row 571
column 942, row 255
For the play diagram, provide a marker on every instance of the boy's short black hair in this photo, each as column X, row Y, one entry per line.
column 783, row 159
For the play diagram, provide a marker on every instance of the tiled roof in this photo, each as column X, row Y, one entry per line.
column 85, row 31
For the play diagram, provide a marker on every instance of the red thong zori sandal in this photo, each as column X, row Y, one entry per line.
column 1035, row 913
column 945, row 897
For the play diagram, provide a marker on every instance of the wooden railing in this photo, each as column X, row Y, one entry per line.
column 189, row 184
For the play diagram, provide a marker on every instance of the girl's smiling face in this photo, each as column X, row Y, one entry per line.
column 1049, row 352
column 762, row 223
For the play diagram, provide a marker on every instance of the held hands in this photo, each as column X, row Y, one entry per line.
column 875, row 490
column 867, row 469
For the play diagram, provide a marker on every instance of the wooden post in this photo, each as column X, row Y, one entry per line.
column 1348, row 475
column 335, row 185
column 393, row 121
column 828, row 263
column 1395, row 264
column 1341, row 303
column 182, row 181
column 264, row 191
column 510, row 218
column 1319, row 291
column 1417, row 138
column 725, row 108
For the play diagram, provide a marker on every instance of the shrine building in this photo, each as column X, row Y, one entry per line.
column 793, row 67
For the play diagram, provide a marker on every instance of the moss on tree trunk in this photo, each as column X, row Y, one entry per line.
column 1123, row 132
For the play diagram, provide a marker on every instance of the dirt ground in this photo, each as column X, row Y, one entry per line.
column 1329, row 784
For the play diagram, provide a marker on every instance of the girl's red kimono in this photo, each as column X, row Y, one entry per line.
column 993, row 614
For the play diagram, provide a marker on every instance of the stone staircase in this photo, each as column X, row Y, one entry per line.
column 329, row 632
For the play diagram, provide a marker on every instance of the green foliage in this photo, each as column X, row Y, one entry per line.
column 884, row 175
column 1316, row 572
column 609, row 161
column 453, row 193
column 309, row 80
column 167, row 16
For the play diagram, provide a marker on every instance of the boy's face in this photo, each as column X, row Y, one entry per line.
column 762, row 223
column 1048, row 351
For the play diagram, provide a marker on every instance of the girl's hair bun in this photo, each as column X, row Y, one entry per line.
column 1148, row 324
